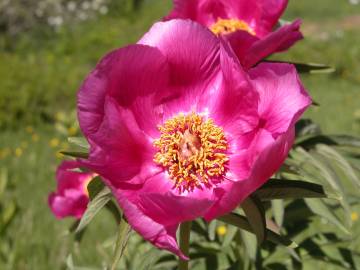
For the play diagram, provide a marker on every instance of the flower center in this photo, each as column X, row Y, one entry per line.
column 193, row 151
column 227, row 26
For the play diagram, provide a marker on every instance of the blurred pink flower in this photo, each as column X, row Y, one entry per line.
column 179, row 131
column 71, row 197
column 248, row 25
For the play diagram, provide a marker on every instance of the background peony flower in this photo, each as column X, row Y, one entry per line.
column 179, row 131
column 248, row 25
column 71, row 197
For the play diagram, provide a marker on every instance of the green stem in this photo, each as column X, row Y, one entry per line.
column 121, row 241
column 185, row 229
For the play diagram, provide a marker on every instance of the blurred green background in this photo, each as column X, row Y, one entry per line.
column 45, row 53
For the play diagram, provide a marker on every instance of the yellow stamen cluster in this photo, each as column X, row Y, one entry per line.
column 228, row 26
column 193, row 150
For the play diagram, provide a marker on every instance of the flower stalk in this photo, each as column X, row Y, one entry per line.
column 185, row 229
column 121, row 241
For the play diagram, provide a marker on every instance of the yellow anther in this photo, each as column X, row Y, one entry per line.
column 193, row 150
column 228, row 26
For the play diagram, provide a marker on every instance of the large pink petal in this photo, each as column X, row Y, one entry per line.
column 277, row 41
column 240, row 42
column 244, row 10
column 69, row 179
column 121, row 172
column 158, row 200
column 183, row 9
column 205, row 12
column 191, row 50
column 119, row 131
column 73, row 203
column 271, row 11
column 282, row 96
column 120, row 150
column 241, row 163
column 161, row 236
column 268, row 161
column 234, row 105
column 117, row 75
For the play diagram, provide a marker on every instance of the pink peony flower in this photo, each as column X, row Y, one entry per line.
column 248, row 25
column 71, row 197
column 179, row 131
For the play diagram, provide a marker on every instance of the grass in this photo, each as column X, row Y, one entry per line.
column 45, row 72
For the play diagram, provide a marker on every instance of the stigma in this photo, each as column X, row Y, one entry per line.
column 192, row 150
column 228, row 26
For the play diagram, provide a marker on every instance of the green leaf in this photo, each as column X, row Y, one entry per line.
column 290, row 189
column 242, row 223
column 343, row 164
column 8, row 213
column 327, row 171
column 283, row 22
column 305, row 127
column 249, row 241
column 326, row 252
column 313, row 139
column 320, row 208
column 3, row 180
column 79, row 141
column 121, row 242
column 229, row 236
column 148, row 260
column 278, row 211
column 184, row 235
column 236, row 266
column 255, row 214
column 70, row 263
column 308, row 141
column 95, row 186
column 280, row 240
column 94, row 206
column 347, row 140
column 322, row 168
column 75, row 154
column 311, row 68
column 114, row 210
column 212, row 230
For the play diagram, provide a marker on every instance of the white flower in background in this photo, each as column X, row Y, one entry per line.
column 103, row 10
column 354, row 2
column 71, row 6
column 55, row 21
column 82, row 16
column 54, row 13
column 85, row 5
column 39, row 12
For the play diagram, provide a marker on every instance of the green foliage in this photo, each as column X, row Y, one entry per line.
column 311, row 68
column 255, row 213
column 121, row 242
column 8, row 210
column 98, row 202
column 40, row 72
column 289, row 189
